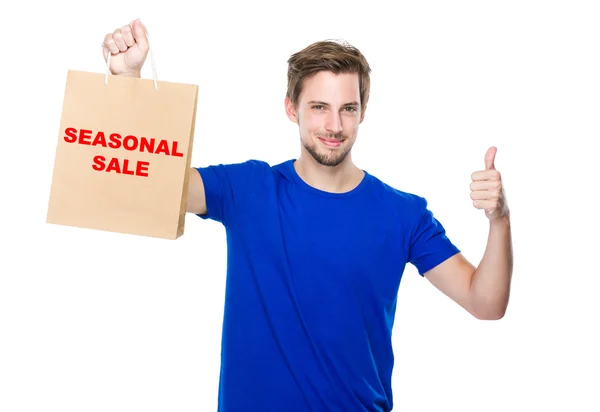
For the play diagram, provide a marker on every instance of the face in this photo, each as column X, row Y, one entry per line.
column 328, row 115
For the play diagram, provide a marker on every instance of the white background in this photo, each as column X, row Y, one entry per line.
column 93, row 321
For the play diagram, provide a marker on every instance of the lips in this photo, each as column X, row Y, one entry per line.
column 330, row 142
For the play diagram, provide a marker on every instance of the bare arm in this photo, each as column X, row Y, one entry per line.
column 196, row 202
column 453, row 278
column 483, row 291
column 490, row 286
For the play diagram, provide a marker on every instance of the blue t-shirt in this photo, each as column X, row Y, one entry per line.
column 312, row 281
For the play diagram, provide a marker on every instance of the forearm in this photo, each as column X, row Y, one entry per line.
column 490, row 286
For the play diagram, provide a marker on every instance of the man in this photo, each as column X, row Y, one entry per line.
column 317, row 248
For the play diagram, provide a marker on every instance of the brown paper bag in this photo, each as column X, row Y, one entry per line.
column 124, row 149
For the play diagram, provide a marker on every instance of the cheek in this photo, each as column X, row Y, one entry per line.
column 311, row 123
column 312, row 120
column 351, row 123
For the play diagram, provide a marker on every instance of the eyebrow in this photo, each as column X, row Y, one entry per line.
column 327, row 104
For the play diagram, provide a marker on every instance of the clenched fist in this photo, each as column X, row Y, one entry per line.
column 129, row 48
column 487, row 190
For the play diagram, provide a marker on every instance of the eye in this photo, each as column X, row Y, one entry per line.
column 318, row 107
column 351, row 109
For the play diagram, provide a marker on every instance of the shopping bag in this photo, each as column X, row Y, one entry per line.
column 123, row 155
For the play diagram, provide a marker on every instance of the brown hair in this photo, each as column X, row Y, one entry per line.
column 329, row 55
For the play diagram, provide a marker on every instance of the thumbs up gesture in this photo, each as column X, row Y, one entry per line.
column 487, row 190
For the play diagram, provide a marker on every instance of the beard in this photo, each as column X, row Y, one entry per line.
column 328, row 157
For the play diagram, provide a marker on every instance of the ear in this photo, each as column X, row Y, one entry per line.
column 290, row 110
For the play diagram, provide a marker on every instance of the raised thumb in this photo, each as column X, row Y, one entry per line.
column 489, row 158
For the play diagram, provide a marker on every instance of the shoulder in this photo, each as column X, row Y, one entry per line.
column 408, row 202
column 251, row 165
column 246, row 176
column 245, row 170
column 406, row 209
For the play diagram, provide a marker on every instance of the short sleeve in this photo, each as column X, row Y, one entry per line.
column 226, row 186
column 215, row 181
column 429, row 244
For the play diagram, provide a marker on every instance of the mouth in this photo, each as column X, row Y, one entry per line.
column 331, row 142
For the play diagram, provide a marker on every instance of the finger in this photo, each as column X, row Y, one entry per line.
column 486, row 185
column 481, row 175
column 127, row 35
column 109, row 44
column 489, row 158
column 118, row 38
column 140, row 35
column 480, row 195
column 485, row 204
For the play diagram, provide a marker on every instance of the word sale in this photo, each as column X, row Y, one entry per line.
column 116, row 141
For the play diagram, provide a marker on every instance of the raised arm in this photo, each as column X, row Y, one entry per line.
column 483, row 290
column 128, row 46
column 196, row 202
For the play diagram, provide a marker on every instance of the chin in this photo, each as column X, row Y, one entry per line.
column 328, row 157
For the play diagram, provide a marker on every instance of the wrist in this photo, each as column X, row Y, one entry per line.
column 500, row 221
column 137, row 73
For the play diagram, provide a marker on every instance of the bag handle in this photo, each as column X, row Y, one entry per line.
column 151, row 62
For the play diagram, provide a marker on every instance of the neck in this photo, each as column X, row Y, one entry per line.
column 334, row 179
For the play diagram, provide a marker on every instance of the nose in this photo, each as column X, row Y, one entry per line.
column 334, row 123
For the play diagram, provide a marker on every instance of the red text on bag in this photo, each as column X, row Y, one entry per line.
column 127, row 142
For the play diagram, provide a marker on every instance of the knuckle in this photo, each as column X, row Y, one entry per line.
column 112, row 46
